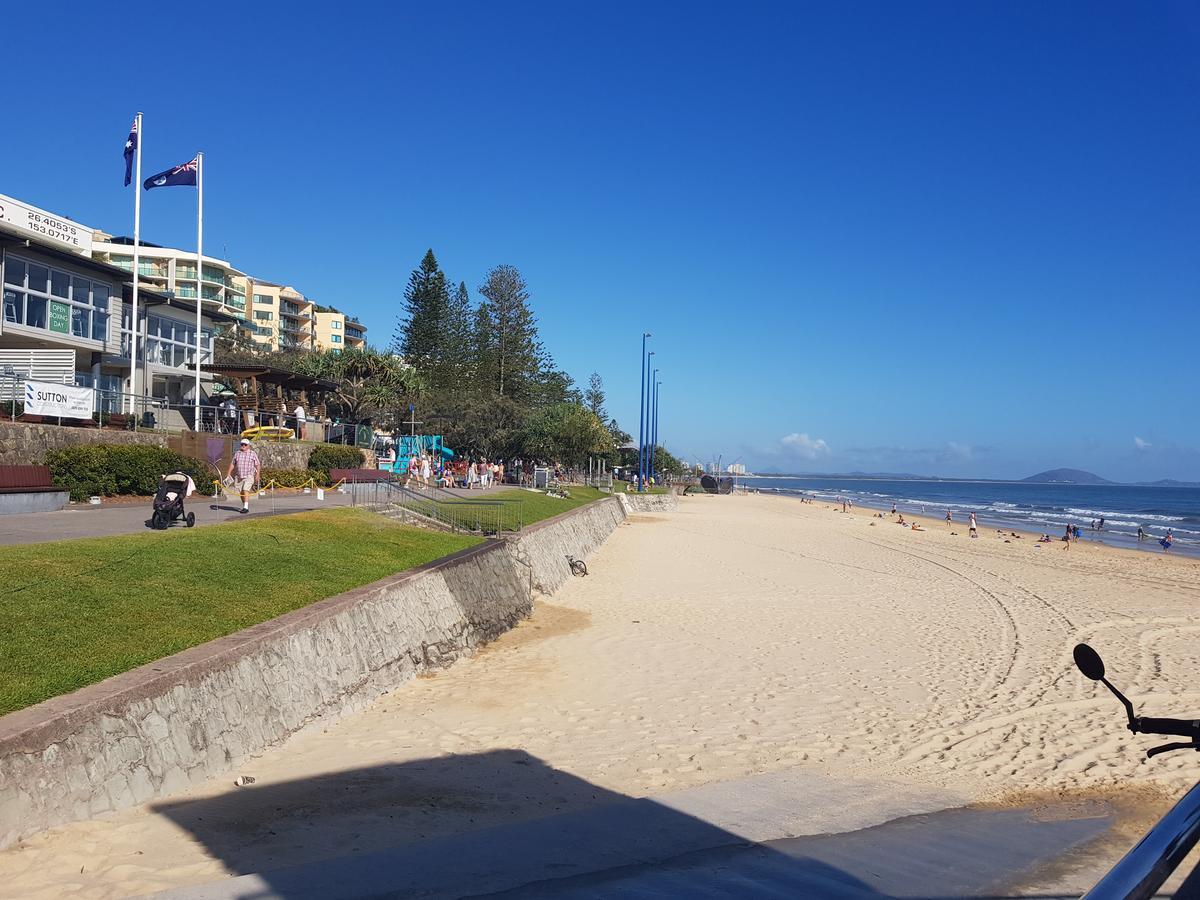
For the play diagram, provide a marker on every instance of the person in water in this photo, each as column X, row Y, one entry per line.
column 1168, row 540
column 1141, row 534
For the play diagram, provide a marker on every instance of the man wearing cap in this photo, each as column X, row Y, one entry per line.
column 245, row 468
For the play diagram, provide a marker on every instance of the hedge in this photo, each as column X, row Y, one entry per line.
column 335, row 456
column 111, row 469
column 295, row 478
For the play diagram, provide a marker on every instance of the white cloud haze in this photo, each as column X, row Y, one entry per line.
column 800, row 444
column 1141, row 444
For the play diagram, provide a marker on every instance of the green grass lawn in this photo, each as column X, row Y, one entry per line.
column 538, row 506
column 75, row 612
column 623, row 486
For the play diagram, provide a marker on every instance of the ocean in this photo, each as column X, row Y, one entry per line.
column 1016, row 505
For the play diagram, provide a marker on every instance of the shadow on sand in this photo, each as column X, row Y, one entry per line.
column 503, row 822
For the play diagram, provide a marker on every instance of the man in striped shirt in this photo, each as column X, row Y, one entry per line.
column 245, row 469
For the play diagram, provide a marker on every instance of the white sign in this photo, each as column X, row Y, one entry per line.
column 45, row 398
column 44, row 226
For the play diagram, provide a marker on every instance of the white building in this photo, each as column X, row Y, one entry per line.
column 67, row 315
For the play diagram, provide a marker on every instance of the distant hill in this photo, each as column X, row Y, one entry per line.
column 1169, row 482
column 1066, row 476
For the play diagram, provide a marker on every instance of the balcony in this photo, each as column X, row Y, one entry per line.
column 297, row 312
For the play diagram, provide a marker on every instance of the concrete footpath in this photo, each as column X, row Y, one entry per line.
column 794, row 833
column 81, row 520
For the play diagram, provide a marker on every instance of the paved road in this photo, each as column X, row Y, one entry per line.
column 82, row 520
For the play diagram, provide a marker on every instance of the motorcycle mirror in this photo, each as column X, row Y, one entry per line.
column 1089, row 662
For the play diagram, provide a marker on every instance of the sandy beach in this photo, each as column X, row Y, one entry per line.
column 735, row 637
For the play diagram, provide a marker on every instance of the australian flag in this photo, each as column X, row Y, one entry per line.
column 185, row 174
column 131, row 144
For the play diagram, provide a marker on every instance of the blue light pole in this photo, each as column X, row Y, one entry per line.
column 654, row 432
column 653, row 419
column 646, row 444
column 642, row 412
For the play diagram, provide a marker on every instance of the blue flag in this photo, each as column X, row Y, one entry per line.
column 131, row 143
column 185, row 174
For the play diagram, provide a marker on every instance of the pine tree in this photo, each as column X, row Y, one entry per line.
column 514, row 358
column 421, row 332
column 458, row 337
column 594, row 395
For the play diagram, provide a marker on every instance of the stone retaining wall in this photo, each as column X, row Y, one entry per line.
column 649, row 502
column 179, row 721
column 22, row 444
column 25, row 444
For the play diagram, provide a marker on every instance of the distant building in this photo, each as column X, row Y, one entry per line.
column 336, row 330
column 736, row 469
column 167, row 269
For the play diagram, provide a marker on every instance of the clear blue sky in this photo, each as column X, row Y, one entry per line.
column 940, row 238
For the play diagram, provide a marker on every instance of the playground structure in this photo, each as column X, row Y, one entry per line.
column 409, row 445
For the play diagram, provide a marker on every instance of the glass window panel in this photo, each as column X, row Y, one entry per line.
column 80, row 326
column 13, row 306
column 35, row 312
column 38, row 276
column 100, row 326
column 59, row 283
column 81, row 290
column 14, row 272
column 100, row 296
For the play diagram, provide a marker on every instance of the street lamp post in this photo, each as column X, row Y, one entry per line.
column 654, row 431
column 650, row 424
column 646, row 455
column 642, row 412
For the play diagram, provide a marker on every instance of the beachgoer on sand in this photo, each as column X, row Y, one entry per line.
column 973, row 527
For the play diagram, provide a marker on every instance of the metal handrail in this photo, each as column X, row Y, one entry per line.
column 458, row 513
column 1142, row 871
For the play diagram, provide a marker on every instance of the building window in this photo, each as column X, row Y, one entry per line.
column 41, row 297
column 335, row 338
column 335, row 324
column 264, row 315
column 264, row 299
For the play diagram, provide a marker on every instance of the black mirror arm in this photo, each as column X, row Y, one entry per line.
column 1167, row 748
column 1124, row 702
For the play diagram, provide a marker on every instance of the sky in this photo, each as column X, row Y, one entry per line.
column 938, row 238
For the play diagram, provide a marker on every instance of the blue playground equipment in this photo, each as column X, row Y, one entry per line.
column 409, row 444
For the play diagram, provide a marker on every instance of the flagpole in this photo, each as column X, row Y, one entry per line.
column 199, row 274
column 137, row 237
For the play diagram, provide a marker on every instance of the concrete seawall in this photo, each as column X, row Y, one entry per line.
column 177, row 722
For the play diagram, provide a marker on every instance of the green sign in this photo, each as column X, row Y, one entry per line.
column 60, row 317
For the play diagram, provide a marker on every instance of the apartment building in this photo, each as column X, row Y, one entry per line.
column 168, row 270
column 336, row 330
column 281, row 318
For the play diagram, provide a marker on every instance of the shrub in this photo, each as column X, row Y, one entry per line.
column 294, row 478
column 335, row 456
column 107, row 469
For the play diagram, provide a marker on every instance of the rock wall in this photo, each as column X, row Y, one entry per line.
column 649, row 502
column 25, row 444
column 176, row 722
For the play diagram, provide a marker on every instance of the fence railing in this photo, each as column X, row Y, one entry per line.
column 493, row 517
column 113, row 409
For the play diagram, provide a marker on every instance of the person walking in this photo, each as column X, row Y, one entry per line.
column 973, row 527
column 245, row 469
column 949, row 517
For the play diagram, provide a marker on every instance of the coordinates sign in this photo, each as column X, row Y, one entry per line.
column 45, row 226
column 45, row 398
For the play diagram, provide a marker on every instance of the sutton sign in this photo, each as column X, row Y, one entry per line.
column 45, row 398
column 31, row 221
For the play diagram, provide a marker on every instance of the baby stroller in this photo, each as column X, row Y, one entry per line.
column 168, row 502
